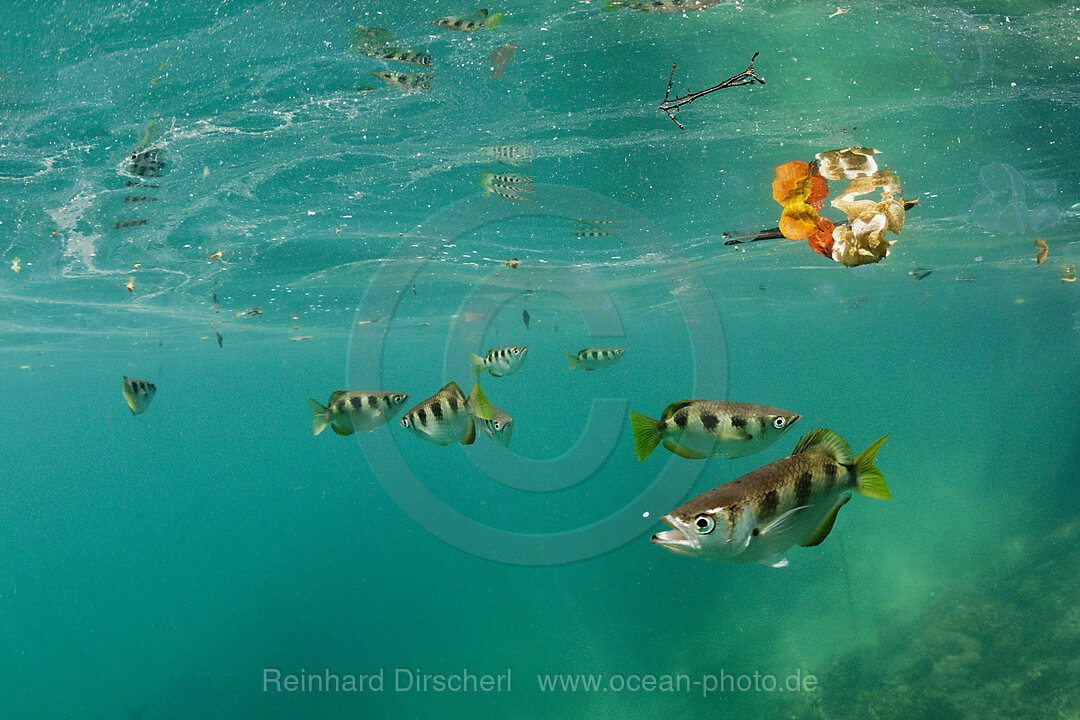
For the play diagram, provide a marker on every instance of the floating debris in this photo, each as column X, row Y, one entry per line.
column 525, row 318
column 746, row 77
column 16, row 266
column 138, row 394
column 512, row 263
column 215, row 256
column 499, row 58
column 472, row 23
column 920, row 273
column 516, row 155
column 839, row 11
column 218, row 333
column 128, row 224
column 962, row 278
column 406, row 81
column 139, row 199
column 1042, row 251
column 1068, row 273
column 147, row 163
column 298, row 338
column 130, row 285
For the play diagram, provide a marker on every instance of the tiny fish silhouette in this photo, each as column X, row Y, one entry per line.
column 1042, row 252
column 919, row 273
column 525, row 318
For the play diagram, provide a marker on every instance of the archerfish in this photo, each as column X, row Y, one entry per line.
column 346, row 412
column 138, row 394
column 516, row 155
column 696, row 429
column 500, row 361
column 447, row 416
column 663, row 6
column 405, row 81
column 499, row 428
column 472, row 23
column 379, row 43
column 793, row 501
column 595, row 358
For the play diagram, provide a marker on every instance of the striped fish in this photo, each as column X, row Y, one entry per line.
column 595, row 358
column 347, row 412
column 403, row 54
column 499, row 428
column 139, row 198
column 506, row 185
column 500, row 361
column 138, row 394
column 793, row 501
column 664, row 6
column 696, row 429
column 405, row 81
column 472, row 23
column 447, row 416
column 147, row 163
column 516, row 155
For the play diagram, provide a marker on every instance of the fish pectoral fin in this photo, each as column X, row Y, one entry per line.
column 784, row 523
column 469, row 437
column 340, row 430
column 776, row 561
column 736, row 434
column 682, row 451
column 822, row 530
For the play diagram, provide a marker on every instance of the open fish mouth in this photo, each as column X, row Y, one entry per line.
column 677, row 540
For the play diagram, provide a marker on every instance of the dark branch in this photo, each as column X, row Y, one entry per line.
column 746, row 77
column 775, row 234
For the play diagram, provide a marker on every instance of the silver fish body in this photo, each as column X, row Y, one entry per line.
column 351, row 411
column 447, row 416
column 403, row 54
column 500, row 361
column 138, row 394
column 696, row 429
column 499, row 428
column 595, row 358
column 793, row 501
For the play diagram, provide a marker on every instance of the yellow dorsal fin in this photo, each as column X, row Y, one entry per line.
column 825, row 442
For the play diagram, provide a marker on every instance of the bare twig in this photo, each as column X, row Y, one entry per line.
column 746, row 77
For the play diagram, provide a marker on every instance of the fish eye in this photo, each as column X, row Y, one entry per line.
column 779, row 423
column 498, row 425
column 704, row 524
column 399, row 398
column 517, row 351
column 404, row 422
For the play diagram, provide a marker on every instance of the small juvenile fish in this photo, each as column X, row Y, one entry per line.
column 1042, row 250
column 346, row 412
column 127, row 224
column 500, row 361
column 696, row 429
column 364, row 38
column 499, row 428
column 920, row 273
column 525, row 318
column 139, row 199
column 664, row 6
column 592, row 233
column 138, row 394
column 406, row 81
column 793, row 501
column 516, row 155
column 472, row 23
column 447, row 416
column 499, row 58
column 136, row 183
column 147, row 163
column 595, row 358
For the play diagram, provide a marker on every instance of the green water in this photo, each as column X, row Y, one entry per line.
column 167, row 565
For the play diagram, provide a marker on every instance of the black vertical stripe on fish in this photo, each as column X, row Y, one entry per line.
column 421, row 416
column 737, row 421
column 804, row 485
column 372, row 400
column 830, row 475
column 769, row 502
column 436, row 410
column 453, row 403
column 680, row 419
column 709, row 420
column 357, row 402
